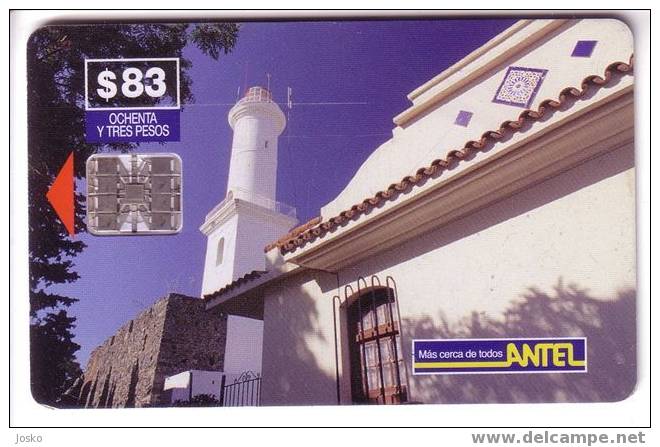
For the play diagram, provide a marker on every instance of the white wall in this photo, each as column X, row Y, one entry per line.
column 568, row 240
column 203, row 382
column 257, row 228
column 246, row 233
column 244, row 345
column 217, row 276
column 298, row 350
column 565, row 238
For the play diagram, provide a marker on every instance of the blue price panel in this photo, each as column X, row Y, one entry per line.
column 500, row 355
column 132, row 100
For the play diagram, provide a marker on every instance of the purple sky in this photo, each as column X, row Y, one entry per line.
column 374, row 63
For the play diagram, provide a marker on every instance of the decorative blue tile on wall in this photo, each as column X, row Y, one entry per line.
column 584, row 48
column 463, row 118
column 519, row 86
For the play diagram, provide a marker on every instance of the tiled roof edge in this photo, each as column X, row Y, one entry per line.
column 289, row 244
column 293, row 233
column 254, row 274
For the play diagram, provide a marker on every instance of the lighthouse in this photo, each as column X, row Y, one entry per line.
column 249, row 217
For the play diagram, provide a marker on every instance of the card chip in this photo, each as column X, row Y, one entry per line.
column 134, row 194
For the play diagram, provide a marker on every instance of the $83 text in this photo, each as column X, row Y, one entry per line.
column 133, row 83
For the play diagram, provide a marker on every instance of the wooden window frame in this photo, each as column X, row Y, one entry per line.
column 388, row 331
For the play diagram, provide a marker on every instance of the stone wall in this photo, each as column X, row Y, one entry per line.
column 175, row 334
column 193, row 338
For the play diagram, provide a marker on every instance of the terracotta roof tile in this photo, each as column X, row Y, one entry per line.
column 293, row 233
column 314, row 229
column 254, row 274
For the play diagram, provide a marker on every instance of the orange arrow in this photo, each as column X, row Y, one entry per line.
column 60, row 195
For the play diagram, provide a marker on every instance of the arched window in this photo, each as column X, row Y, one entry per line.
column 221, row 251
column 377, row 369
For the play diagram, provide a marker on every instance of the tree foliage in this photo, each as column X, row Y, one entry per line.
column 56, row 124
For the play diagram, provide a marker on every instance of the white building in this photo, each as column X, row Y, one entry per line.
column 248, row 218
column 502, row 206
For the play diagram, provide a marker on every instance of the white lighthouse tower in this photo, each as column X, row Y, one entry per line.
column 240, row 226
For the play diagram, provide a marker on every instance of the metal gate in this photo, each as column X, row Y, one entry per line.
column 244, row 391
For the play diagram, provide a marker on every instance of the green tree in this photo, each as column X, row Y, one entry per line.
column 56, row 124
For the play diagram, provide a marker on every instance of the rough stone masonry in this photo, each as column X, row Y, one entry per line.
column 175, row 334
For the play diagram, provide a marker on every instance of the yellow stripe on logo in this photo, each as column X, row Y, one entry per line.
column 503, row 364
